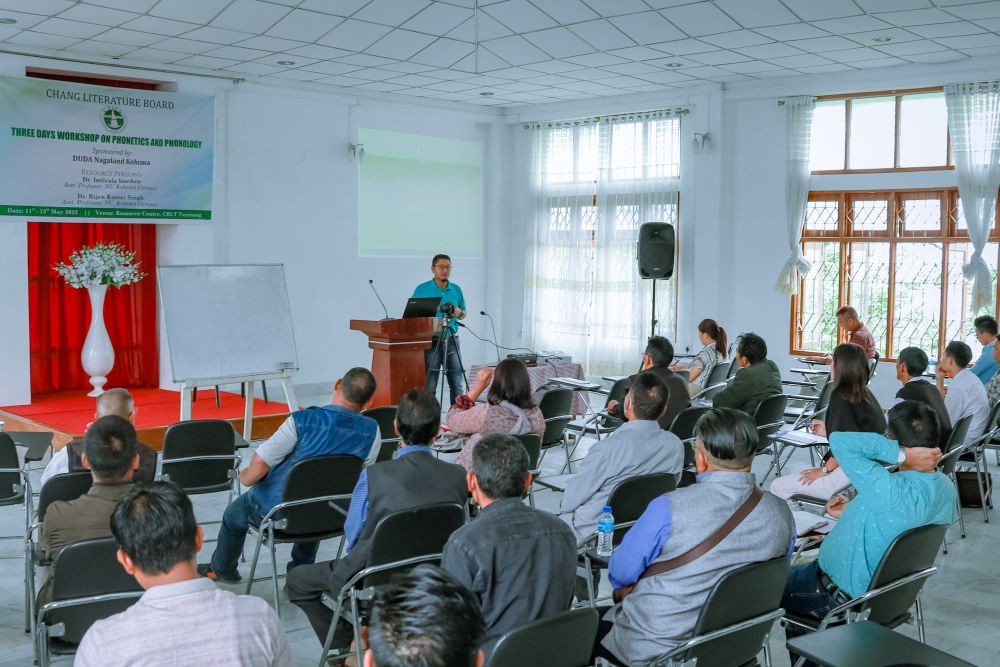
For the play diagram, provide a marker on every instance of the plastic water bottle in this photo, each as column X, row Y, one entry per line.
column 605, row 531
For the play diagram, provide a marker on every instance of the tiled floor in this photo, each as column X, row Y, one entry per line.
column 961, row 602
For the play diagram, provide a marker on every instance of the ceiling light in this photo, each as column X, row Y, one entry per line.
column 674, row 65
column 881, row 40
column 486, row 93
column 8, row 21
column 286, row 62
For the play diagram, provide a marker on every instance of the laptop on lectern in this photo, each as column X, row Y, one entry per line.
column 423, row 307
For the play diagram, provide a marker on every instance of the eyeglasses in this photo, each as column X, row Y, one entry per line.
column 443, row 267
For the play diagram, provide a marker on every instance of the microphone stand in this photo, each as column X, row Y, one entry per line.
column 371, row 283
column 496, row 344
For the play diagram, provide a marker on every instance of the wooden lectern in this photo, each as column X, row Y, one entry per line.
column 398, row 354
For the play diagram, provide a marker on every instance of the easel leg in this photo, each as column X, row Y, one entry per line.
column 186, row 399
column 293, row 404
column 248, row 411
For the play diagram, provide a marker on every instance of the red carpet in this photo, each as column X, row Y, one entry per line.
column 71, row 411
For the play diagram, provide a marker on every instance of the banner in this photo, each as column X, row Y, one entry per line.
column 73, row 151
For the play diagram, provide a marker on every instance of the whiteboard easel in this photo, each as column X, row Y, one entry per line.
column 248, row 381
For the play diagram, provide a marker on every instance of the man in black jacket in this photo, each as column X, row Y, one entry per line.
column 657, row 357
column 910, row 367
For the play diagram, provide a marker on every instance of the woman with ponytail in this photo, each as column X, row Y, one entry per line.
column 715, row 351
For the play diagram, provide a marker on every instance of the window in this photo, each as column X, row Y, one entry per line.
column 897, row 257
column 880, row 132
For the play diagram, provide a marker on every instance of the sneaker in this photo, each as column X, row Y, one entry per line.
column 205, row 570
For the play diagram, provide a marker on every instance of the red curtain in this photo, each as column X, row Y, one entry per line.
column 59, row 315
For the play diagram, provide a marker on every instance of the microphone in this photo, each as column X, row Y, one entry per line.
column 371, row 283
column 493, row 327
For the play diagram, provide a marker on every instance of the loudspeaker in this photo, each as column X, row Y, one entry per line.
column 656, row 250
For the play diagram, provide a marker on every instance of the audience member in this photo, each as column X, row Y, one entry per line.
column 658, row 356
column 413, row 479
column 181, row 619
column 757, row 378
column 887, row 505
column 70, row 458
column 337, row 428
column 520, row 562
column 910, row 367
column 986, row 365
column 637, row 447
column 660, row 609
column 714, row 351
column 857, row 332
column 110, row 454
column 852, row 408
column 425, row 618
column 508, row 408
column 993, row 386
column 965, row 394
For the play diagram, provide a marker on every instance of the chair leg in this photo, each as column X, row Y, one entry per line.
column 356, row 625
column 253, row 562
column 274, row 575
column 340, row 549
column 767, row 650
column 591, row 593
column 980, row 456
column 569, row 462
column 531, row 496
column 329, row 633
column 920, row 622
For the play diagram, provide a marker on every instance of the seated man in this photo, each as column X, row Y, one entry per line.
column 887, row 505
column 857, row 332
column 412, row 479
column 425, row 618
column 910, row 367
column 520, row 562
column 638, row 447
column 757, row 378
column 656, row 359
column 965, row 394
column 181, row 619
column 986, row 365
column 315, row 431
column 70, row 458
column 660, row 611
column 109, row 452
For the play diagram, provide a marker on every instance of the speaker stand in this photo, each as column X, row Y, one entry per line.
column 654, row 322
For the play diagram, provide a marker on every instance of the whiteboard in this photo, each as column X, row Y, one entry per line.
column 228, row 320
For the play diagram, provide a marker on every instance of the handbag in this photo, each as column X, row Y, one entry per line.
column 700, row 549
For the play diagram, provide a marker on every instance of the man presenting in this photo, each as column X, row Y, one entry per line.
column 451, row 295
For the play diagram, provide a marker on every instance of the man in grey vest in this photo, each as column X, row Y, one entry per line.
column 659, row 611
column 413, row 478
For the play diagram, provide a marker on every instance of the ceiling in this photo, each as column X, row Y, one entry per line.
column 529, row 51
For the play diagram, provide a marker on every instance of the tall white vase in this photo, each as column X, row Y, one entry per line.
column 98, row 356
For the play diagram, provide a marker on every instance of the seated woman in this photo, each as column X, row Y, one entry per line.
column 508, row 408
column 714, row 351
column 852, row 408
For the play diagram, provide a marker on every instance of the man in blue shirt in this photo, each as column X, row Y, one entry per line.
column 887, row 505
column 986, row 365
column 434, row 358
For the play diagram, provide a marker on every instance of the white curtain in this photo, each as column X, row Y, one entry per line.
column 974, row 124
column 593, row 183
column 798, row 131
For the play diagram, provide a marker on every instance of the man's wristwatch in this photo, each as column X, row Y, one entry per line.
column 901, row 458
column 826, row 471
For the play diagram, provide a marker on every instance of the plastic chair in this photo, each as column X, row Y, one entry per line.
column 313, row 508
column 735, row 621
column 769, row 419
column 385, row 415
column 88, row 585
column 533, row 444
column 953, row 449
column 716, row 380
column 562, row 640
column 555, row 406
column 400, row 541
column 601, row 422
column 66, row 486
column 683, row 428
column 978, row 459
column 895, row 587
column 15, row 487
column 628, row 501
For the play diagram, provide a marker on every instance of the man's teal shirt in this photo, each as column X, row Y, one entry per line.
column 450, row 294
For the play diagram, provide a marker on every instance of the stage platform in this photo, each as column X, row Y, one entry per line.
column 67, row 414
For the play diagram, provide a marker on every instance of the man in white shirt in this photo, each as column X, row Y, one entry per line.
column 965, row 394
column 181, row 619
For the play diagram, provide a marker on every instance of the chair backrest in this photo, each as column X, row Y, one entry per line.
column 734, row 368
column 385, row 415
column 718, row 373
column 83, row 569
column 562, row 640
column 741, row 594
column 617, row 393
column 630, row 498
column 533, row 443
column 418, row 531
column 386, row 449
column 684, row 422
column 555, row 403
column 769, row 417
column 10, row 482
column 959, row 431
column 66, row 486
column 333, row 475
column 824, row 399
column 910, row 552
column 199, row 437
column 872, row 365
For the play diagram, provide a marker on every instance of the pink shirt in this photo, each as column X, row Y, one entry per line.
column 863, row 337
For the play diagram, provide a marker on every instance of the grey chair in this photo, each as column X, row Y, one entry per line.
column 385, row 415
column 769, row 419
column 313, row 508
column 735, row 622
column 953, row 449
column 400, row 541
column 977, row 457
column 601, row 423
column 556, row 406
column 15, row 485
column 716, row 380
column 683, row 427
column 533, row 445
column 562, row 640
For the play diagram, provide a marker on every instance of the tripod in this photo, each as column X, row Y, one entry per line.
column 443, row 340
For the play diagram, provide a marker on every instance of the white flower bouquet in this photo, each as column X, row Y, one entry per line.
column 102, row 264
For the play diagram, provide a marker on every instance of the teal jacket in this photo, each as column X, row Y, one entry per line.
column 750, row 386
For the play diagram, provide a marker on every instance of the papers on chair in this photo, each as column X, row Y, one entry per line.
column 807, row 522
column 574, row 383
column 800, row 438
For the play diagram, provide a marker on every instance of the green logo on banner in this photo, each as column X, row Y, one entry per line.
column 113, row 118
